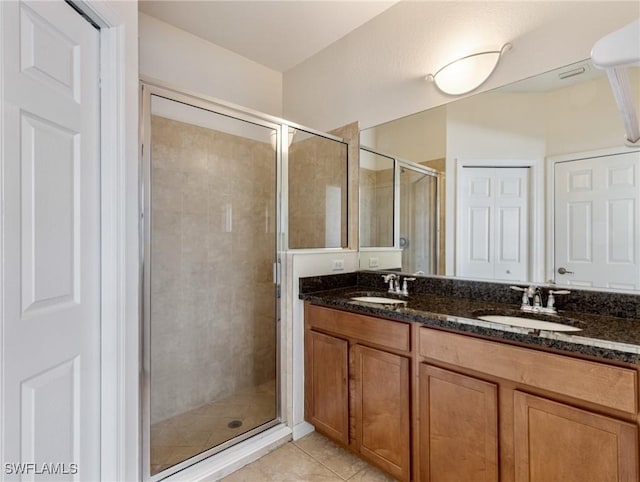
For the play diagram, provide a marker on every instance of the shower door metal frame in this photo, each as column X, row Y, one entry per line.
column 400, row 164
column 149, row 88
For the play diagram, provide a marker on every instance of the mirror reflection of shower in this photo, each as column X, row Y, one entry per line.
column 419, row 219
column 401, row 216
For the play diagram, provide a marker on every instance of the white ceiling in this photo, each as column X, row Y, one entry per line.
column 277, row 34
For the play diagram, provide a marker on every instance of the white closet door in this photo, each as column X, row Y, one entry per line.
column 493, row 228
column 511, row 247
column 475, row 236
column 51, row 252
column 597, row 222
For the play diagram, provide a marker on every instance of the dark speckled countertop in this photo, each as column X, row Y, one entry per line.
column 602, row 336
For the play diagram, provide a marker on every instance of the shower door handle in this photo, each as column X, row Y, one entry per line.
column 276, row 273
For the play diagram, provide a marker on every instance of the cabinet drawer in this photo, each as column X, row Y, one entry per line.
column 388, row 334
column 594, row 382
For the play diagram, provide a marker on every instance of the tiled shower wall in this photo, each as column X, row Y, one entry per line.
column 212, row 249
column 376, row 203
column 316, row 166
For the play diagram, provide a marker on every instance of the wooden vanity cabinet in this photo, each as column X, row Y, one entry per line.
column 458, row 427
column 357, row 376
column 560, row 419
column 327, row 388
column 555, row 441
column 449, row 407
column 382, row 409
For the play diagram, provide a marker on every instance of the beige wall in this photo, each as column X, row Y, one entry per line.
column 213, row 242
column 376, row 73
column 584, row 117
column 184, row 60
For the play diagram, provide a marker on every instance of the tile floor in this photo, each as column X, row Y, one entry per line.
column 187, row 434
column 313, row 458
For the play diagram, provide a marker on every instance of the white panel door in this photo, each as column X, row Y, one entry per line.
column 597, row 222
column 475, row 238
column 51, row 258
column 511, row 247
column 493, row 228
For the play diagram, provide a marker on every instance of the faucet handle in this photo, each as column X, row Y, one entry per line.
column 525, row 296
column 405, row 288
column 390, row 278
column 551, row 301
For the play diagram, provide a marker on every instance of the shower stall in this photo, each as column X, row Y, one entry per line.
column 211, row 322
column 214, row 231
column 419, row 219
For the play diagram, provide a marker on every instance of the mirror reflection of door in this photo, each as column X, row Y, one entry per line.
column 597, row 222
column 493, row 224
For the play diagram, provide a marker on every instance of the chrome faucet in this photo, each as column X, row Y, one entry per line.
column 395, row 284
column 532, row 299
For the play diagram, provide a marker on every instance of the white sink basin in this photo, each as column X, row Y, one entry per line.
column 528, row 323
column 379, row 299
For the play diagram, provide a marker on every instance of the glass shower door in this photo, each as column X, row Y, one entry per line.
column 210, row 299
column 419, row 220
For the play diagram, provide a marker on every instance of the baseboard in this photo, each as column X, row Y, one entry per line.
column 302, row 429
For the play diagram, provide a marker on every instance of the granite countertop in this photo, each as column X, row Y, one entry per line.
column 607, row 337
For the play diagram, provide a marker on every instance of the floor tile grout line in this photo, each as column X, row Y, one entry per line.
column 366, row 467
column 330, row 469
column 316, row 460
column 322, row 463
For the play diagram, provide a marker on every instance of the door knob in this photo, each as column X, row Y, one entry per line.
column 562, row 270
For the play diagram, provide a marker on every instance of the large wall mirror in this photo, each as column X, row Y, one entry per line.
column 537, row 183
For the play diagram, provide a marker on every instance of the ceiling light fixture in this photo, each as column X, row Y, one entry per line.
column 466, row 74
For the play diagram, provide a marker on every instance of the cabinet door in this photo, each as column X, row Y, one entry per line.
column 554, row 441
column 382, row 409
column 458, row 427
column 327, row 394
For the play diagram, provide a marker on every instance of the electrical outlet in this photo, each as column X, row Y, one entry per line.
column 338, row 264
column 374, row 262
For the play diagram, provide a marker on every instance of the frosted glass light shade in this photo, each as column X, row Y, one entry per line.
column 468, row 73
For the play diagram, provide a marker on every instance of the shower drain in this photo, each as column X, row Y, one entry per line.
column 234, row 423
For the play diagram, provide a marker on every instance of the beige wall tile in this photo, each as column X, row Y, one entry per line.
column 213, row 242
